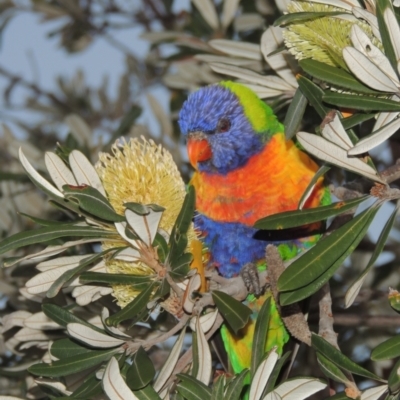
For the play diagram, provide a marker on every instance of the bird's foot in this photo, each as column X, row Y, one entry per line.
column 249, row 274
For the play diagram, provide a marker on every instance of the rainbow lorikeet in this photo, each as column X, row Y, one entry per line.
column 245, row 170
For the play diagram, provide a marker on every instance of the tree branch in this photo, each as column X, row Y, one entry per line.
column 291, row 315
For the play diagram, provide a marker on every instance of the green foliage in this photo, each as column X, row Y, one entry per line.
column 66, row 311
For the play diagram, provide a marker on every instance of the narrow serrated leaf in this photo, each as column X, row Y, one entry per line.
column 64, row 317
column 48, row 233
column 303, row 16
column 208, row 12
column 328, row 251
column 137, row 281
column 91, row 200
column 291, row 219
column 84, row 172
column 314, row 95
column 375, row 139
column 335, row 76
column 322, row 170
column 295, row 114
column 333, row 154
column 236, row 48
column 361, row 102
column 38, row 180
column 58, row 171
column 367, row 72
column 92, row 337
column 71, row 365
column 360, row 226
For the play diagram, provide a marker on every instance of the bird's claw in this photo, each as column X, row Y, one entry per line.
column 249, row 274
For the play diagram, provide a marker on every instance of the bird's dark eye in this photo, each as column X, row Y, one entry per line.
column 223, row 125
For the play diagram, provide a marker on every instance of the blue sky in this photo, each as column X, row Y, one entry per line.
column 27, row 51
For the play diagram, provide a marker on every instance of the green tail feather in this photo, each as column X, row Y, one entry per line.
column 239, row 346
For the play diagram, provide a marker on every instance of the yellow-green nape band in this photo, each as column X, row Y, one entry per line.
column 258, row 113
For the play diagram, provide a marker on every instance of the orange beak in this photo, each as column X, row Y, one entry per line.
column 198, row 150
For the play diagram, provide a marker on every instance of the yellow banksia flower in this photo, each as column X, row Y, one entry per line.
column 322, row 39
column 143, row 172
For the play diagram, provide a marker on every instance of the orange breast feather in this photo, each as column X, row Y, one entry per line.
column 272, row 181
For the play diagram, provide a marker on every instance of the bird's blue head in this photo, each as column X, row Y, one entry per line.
column 225, row 125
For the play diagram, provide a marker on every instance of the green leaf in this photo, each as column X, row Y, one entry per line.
column 275, row 374
column 64, row 317
column 91, row 200
column 314, row 95
column 218, row 388
column 260, row 336
column 234, row 312
column 137, row 281
column 235, row 387
column 381, row 6
column 387, row 350
column 64, row 348
column 141, row 372
column 394, row 300
column 192, row 389
column 394, row 378
column 329, row 252
column 163, row 289
column 91, row 388
column 322, row 170
column 45, row 222
column 355, row 120
column 180, row 265
column 334, row 76
column 295, row 112
column 380, row 244
column 331, row 370
column 134, row 308
column 70, row 274
column 291, row 219
column 185, row 215
column 147, row 393
column 303, row 17
column 363, row 103
column 137, row 208
column 337, row 357
column 162, row 247
column 50, row 233
column 72, row 365
column 11, row 176
column 196, row 357
column 178, row 239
